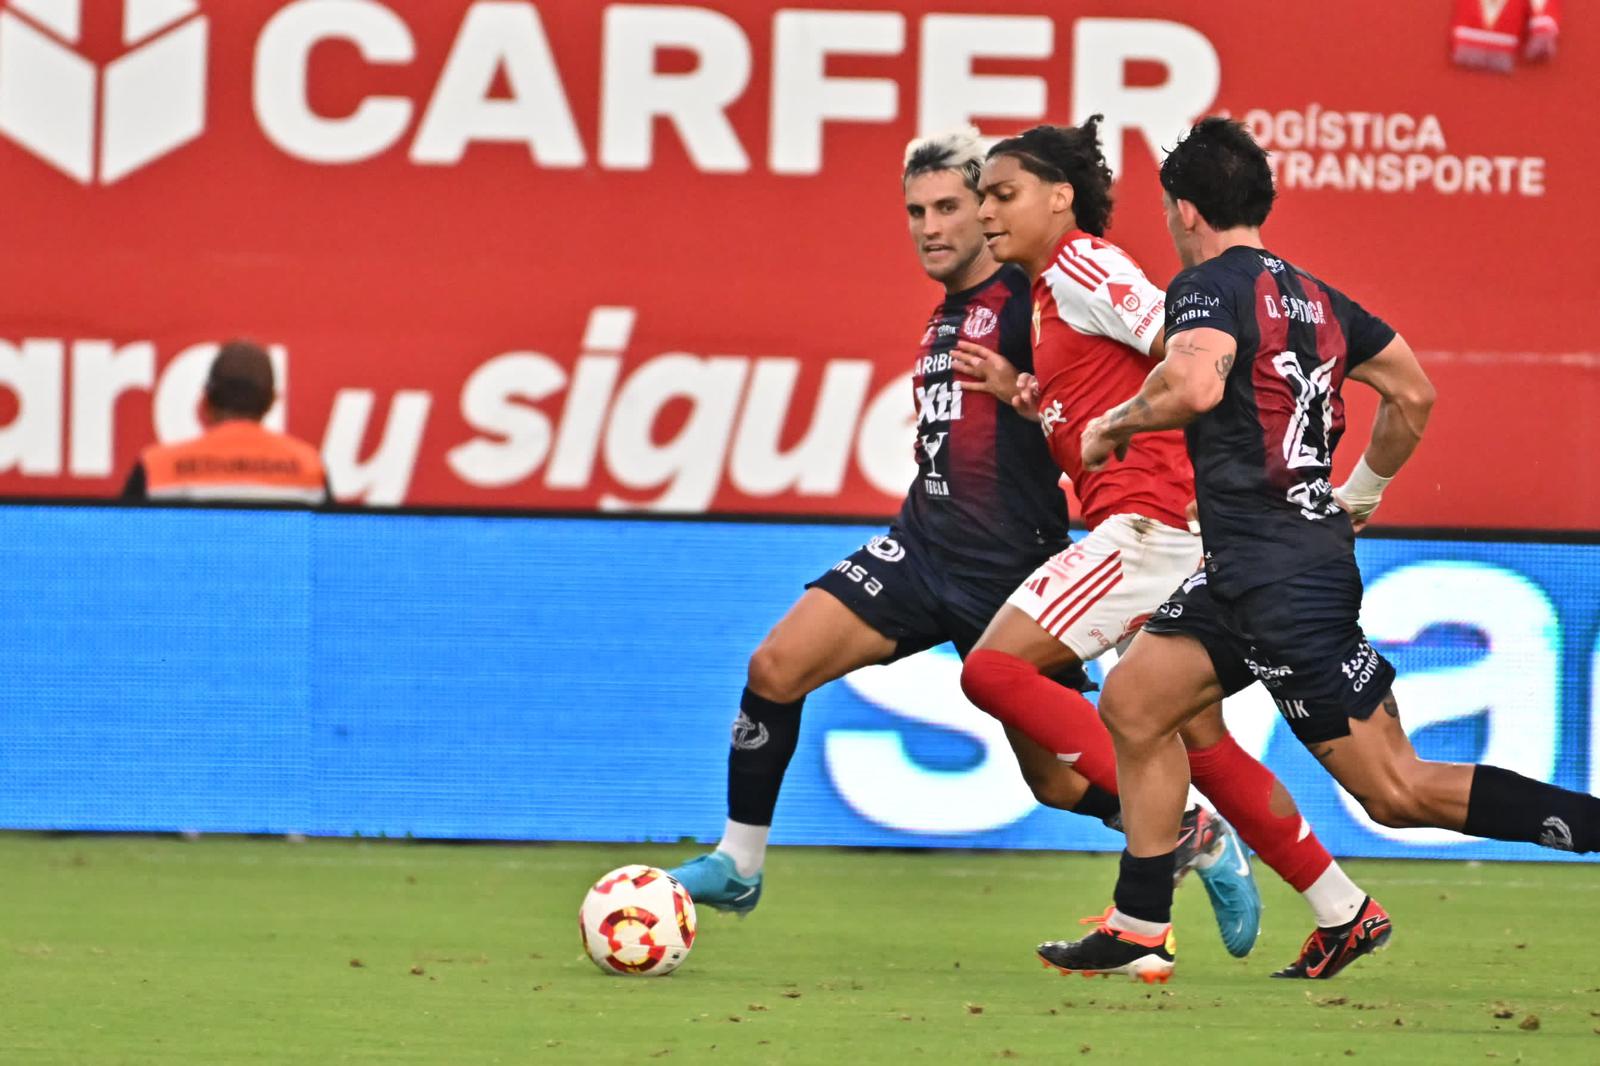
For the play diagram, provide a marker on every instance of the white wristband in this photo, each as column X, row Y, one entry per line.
column 1363, row 489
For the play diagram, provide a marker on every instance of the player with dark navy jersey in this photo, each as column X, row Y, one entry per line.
column 979, row 466
column 984, row 510
column 1258, row 351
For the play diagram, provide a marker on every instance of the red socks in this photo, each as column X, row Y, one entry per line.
column 1242, row 790
column 1015, row 692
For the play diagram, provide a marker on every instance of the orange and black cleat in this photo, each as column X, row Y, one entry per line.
column 1107, row 951
column 1327, row 951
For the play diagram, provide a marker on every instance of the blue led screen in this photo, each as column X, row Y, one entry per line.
column 574, row 679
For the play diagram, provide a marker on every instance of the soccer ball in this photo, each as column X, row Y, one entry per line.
column 637, row 920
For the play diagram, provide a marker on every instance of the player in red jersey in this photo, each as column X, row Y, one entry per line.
column 983, row 511
column 1098, row 328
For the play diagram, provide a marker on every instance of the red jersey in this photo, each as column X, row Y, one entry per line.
column 1095, row 316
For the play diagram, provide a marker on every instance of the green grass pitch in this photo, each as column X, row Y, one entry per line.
column 148, row 950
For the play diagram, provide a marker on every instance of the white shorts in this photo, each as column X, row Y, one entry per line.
column 1098, row 592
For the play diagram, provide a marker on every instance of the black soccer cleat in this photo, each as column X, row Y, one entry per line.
column 1107, row 951
column 1327, row 951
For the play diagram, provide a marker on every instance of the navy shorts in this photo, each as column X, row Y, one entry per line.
column 896, row 585
column 1301, row 637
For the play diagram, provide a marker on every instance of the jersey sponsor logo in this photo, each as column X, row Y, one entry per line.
column 1292, row 708
column 931, row 444
column 980, row 322
column 1147, row 321
column 938, row 402
column 1125, row 298
column 1270, row 676
column 858, row 573
column 748, row 735
column 886, row 548
column 1051, row 417
column 934, row 363
column 1196, row 299
column 1361, row 668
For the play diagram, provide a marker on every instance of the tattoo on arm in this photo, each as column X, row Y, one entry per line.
column 1135, row 408
column 1224, row 365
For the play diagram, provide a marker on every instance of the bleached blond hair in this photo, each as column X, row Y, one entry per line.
column 961, row 150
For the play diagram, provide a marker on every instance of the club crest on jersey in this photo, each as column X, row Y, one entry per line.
column 980, row 322
column 886, row 548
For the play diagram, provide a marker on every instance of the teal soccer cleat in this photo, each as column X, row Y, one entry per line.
column 713, row 881
column 1232, row 888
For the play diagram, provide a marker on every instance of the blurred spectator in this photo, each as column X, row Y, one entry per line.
column 236, row 458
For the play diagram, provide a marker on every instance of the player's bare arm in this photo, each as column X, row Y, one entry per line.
column 1158, row 347
column 1406, row 399
column 991, row 372
column 1187, row 383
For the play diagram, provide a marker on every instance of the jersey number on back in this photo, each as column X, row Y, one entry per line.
column 1305, row 441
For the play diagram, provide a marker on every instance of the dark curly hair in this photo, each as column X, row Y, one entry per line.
column 1220, row 169
column 1069, row 154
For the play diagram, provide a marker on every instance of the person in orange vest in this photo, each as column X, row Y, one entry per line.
column 236, row 458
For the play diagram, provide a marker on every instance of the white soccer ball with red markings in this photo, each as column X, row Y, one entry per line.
column 637, row 921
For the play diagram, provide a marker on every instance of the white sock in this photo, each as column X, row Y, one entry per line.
column 1334, row 898
column 746, row 845
column 1136, row 926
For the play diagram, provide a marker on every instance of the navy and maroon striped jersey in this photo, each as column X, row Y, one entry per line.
column 987, row 493
column 1263, row 458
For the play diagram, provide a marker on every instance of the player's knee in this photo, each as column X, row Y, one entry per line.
column 774, row 675
column 985, row 678
column 1123, row 715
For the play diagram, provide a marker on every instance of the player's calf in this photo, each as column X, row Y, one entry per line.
column 1377, row 764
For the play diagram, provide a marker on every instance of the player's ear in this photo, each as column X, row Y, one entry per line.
column 1061, row 197
column 1189, row 214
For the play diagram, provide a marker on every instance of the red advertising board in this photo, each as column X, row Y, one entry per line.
column 576, row 255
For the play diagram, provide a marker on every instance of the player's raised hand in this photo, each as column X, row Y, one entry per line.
column 1026, row 401
column 1098, row 444
column 993, row 372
